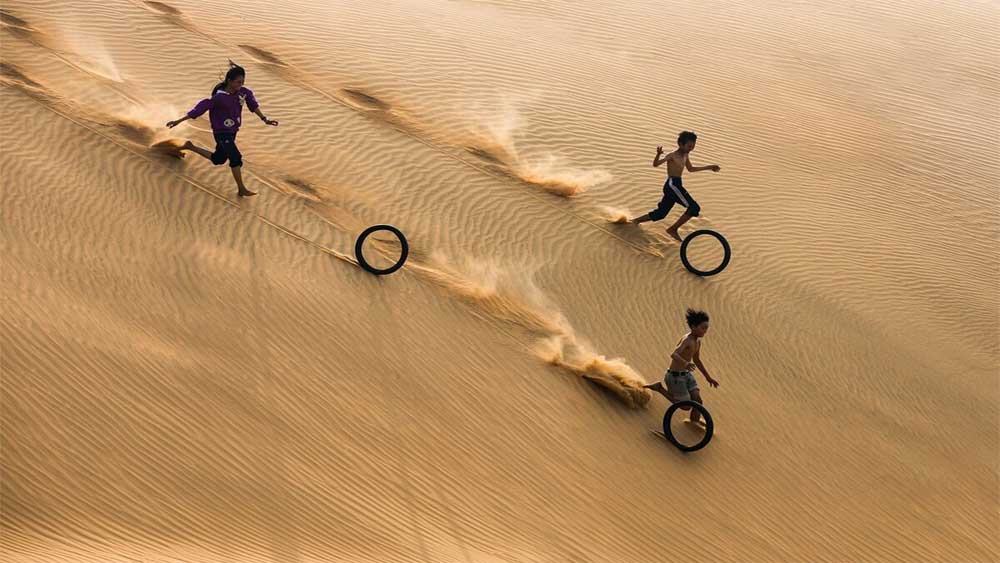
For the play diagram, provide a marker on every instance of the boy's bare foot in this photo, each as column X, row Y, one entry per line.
column 243, row 192
column 699, row 424
column 188, row 145
column 673, row 233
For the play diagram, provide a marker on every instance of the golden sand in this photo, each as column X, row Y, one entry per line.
column 187, row 376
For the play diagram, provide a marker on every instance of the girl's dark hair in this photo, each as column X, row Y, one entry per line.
column 695, row 318
column 686, row 137
column 234, row 71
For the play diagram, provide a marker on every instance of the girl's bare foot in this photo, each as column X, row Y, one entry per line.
column 673, row 233
column 243, row 192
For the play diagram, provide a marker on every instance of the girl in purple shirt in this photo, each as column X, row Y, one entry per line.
column 225, row 108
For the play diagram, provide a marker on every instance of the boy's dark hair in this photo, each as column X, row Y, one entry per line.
column 686, row 137
column 695, row 318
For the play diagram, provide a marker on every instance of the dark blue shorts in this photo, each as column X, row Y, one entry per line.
column 225, row 149
column 674, row 192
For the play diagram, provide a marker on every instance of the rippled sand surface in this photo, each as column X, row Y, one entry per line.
column 188, row 376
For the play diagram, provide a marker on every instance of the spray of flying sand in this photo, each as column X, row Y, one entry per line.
column 511, row 295
column 493, row 140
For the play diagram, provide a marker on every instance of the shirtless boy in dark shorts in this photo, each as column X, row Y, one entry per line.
column 673, row 190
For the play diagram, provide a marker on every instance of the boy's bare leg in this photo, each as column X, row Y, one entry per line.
column 695, row 416
column 672, row 230
column 641, row 219
column 658, row 387
column 189, row 146
column 238, row 175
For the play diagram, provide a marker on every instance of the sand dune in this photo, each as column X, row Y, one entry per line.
column 191, row 376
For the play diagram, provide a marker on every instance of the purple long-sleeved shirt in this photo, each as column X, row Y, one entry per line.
column 225, row 109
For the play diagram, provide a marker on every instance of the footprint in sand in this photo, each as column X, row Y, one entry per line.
column 296, row 187
column 365, row 100
column 23, row 29
column 262, row 56
column 15, row 24
column 486, row 155
column 176, row 17
column 161, row 8
column 12, row 76
column 354, row 97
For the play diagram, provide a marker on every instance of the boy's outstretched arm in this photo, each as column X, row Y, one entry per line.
column 701, row 367
column 656, row 159
column 691, row 168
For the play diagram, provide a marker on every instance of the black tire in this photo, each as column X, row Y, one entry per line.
column 709, row 425
column 359, row 250
column 725, row 247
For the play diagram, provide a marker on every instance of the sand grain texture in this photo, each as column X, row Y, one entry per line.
column 187, row 376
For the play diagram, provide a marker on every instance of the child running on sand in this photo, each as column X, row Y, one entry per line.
column 673, row 191
column 225, row 108
column 678, row 383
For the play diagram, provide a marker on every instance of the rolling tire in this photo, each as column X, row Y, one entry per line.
column 709, row 425
column 725, row 247
column 359, row 250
